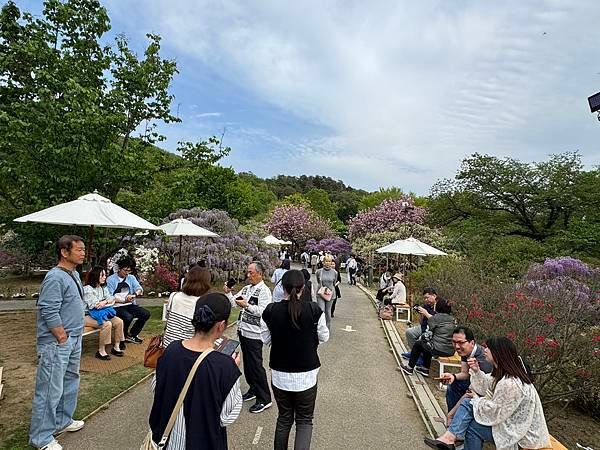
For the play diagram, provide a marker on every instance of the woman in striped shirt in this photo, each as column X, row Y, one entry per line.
column 180, row 309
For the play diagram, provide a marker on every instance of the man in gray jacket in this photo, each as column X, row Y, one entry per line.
column 59, row 329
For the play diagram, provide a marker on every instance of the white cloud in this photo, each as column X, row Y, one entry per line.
column 406, row 88
column 208, row 114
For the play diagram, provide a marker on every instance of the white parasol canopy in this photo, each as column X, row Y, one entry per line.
column 184, row 227
column 90, row 210
column 411, row 246
column 272, row 240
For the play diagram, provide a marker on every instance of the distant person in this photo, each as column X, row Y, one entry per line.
column 184, row 271
column 308, row 293
column 99, row 313
column 126, row 288
column 327, row 277
column 294, row 329
column 503, row 408
column 181, row 306
column 338, row 292
column 59, row 328
column 278, row 293
column 304, row 258
column 214, row 399
column 386, row 284
column 314, row 261
column 351, row 266
column 253, row 299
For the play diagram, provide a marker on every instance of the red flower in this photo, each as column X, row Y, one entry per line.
column 537, row 303
column 596, row 338
column 552, row 343
column 583, row 373
column 511, row 335
column 539, row 339
column 512, row 305
column 550, row 320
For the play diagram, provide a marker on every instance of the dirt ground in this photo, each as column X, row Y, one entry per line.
column 569, row 427
column 18, row 357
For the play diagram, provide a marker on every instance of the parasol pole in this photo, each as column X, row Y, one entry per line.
column 180, row 239
column 90, row 244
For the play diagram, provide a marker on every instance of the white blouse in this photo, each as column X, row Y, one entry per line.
column 513, row 409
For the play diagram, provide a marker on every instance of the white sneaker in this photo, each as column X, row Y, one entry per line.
column 76, row 425
column 54, row 445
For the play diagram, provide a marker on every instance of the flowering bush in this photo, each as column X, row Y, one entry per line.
column 297, row 223
column 226, row 255
column 336, row 246
column 146, row 260
column 552, row 315
column 161, row 280
column 389, row 215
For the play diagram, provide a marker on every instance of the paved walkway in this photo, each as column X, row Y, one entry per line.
column 362, row 401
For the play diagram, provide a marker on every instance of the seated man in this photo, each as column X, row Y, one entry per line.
column 385, row 284
column 426, row 311
column 464, row 343
column 125, row 287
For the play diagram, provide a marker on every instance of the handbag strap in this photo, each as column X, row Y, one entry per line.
column 68, row 272
column 179, row 404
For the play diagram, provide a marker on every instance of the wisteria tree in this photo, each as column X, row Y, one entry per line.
column 389, row 215
column 226, row 255
column 336, row 246
column 297, row 223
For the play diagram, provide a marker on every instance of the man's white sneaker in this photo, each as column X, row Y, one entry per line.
column 54, row 445
column 76, row 425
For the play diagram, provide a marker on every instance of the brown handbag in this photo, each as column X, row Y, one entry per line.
column 154, row 351
column 155, row 348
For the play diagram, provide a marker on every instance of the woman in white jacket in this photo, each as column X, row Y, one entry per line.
column 503, row 407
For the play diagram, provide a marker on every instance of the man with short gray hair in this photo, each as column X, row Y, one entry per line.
column 253, row 299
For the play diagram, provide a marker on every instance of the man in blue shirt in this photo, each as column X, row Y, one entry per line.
column 125, row 287
column 59, row 330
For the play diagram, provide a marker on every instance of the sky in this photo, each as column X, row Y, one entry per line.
column 377, row 94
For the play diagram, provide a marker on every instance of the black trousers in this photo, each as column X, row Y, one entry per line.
column 293, row 407
column 419, row 349
column 255, row 373
column 352, row 274
column 127, row 314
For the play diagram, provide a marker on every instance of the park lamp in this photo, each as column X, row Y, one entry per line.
column 594, row 102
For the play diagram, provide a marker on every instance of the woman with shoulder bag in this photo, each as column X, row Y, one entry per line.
column 326, row 279
column 213, row 399
column 294, row 328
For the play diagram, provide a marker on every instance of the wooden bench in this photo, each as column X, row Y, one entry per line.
column 554, row 445
column 447, row 361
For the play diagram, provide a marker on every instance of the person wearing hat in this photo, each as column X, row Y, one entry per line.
column 214, row 399
column 399, row 293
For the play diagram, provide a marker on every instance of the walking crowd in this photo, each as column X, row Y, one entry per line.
column 197, row 384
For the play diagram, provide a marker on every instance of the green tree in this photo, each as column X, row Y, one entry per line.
column 321, row 204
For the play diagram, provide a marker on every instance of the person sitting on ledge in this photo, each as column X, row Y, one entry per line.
column 503, row 408
column 96, row 301
column 464, row 343
column 436, row 341
column 125, row 287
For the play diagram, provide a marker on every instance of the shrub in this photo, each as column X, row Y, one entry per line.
column 336, row 246
column 161, row 280
column 387, row 216
column 551, row 314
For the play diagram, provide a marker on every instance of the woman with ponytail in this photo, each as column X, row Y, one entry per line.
column 503, row 407
column 294, row 329
column 214, row 399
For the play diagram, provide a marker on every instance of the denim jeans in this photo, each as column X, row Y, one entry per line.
column 326, row 307
column 466, row 427
column 293, row 407
column 56, row 386
column 455, row 391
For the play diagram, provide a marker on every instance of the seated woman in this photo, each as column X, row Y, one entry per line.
column 398, row 295
column 436, row 341
column 180, row 309
column 214, row 399
column 509, row 414
column 96, row 301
